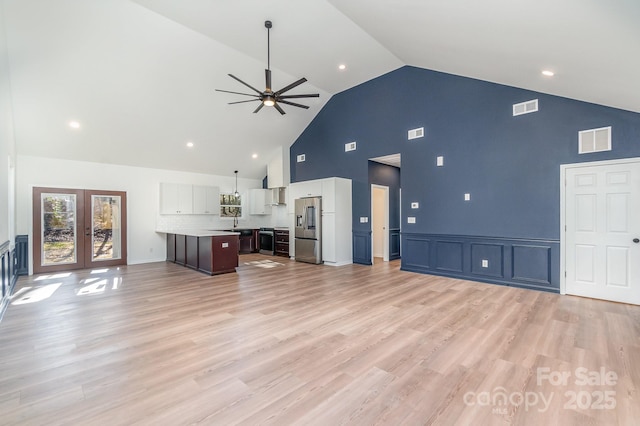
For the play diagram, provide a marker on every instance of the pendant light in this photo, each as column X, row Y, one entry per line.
column 237, row 194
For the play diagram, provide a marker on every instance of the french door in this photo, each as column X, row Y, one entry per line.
column 78, row 228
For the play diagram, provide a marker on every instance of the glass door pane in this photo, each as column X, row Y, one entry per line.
column 58, row 229
column 106, row 232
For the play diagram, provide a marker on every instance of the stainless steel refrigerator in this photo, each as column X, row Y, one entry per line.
column 308, row 230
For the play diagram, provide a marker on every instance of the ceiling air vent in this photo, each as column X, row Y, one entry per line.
column 351, row 146
column 594, row 140
column 415, row 133
column 300, row 158
column 525, row 107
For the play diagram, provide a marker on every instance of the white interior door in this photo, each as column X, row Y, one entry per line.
column 602, row 237
column 380, row 222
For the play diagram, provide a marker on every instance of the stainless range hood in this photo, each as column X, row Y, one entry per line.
column 278, row 196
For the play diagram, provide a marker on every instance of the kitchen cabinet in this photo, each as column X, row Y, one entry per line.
column 275, row 170
column 181, row 249
column 309, row 188
column 171, row 247
column 206, row 199
column 191, row 255
column 211, row 252
column 176, row 198
column 259, row 201
column 218, row 254
column 282, row 242
column 180, row 198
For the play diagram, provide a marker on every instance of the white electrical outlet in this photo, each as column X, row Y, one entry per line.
column 485, row 263
column 415, row 205
column 364, row 219
column 440, row 161
column 467, row 197
column 411, row 219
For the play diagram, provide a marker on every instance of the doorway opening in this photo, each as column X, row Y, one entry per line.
column 78, row 229
column 379, row 222
column 385, row 192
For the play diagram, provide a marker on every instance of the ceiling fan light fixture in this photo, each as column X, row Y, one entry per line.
column 269, row 97
column 269, row 101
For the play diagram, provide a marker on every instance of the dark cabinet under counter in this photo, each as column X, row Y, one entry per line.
column 281, row 242
column 211, row 252
column 218, row 254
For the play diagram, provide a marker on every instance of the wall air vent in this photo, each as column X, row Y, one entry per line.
column 300, row 158
column 351, row 146
column 415, row 133
column 525, row 107
column 594, row 140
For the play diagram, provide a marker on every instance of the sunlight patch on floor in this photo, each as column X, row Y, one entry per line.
column 53, row 277
column 33, row 295
column 264, row 264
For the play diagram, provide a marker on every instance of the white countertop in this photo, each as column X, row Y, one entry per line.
column 197, row 232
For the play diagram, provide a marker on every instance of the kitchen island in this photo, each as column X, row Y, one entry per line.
column 211, row 252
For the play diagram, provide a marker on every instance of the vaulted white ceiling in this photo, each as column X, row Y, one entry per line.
column 140, row 75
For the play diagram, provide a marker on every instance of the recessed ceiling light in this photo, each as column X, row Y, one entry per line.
column 254, row 156
column 189, row 144
column 548, row 73
column 342, row 66
column 74, row 124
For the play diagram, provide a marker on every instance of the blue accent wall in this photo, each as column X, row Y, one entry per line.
column 509, row 165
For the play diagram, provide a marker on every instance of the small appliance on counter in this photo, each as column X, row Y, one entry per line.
column 308, row 229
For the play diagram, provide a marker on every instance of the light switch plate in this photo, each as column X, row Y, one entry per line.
column 440, row 161
column 411, row 219
column 364, row 219
column 415, row 205
column 467, row 197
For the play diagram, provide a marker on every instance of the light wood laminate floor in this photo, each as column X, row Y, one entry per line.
column 282, row 342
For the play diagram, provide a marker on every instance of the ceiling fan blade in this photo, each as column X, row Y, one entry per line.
column 248, row 85
column 237, row 93
column 241, row 102
column 280, row 110
column 291, row 86
column 293, row 103
column 259, row 107
column 312, row 95
column 267, row 77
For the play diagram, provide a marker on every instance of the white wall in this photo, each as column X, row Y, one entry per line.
column 144, row 244
column 7, row 143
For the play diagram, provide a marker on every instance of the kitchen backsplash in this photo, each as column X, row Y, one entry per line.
column 278, row 217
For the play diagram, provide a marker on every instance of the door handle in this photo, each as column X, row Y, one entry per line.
column 636, row 240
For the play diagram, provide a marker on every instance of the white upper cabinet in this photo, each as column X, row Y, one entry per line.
column 206, row 199
column 259, row 201
column 180, row 198
column 275, row 173
column 176, row 198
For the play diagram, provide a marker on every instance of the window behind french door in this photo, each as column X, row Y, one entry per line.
column 78, row 228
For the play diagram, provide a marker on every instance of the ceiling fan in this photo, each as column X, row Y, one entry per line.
column 268, row 97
